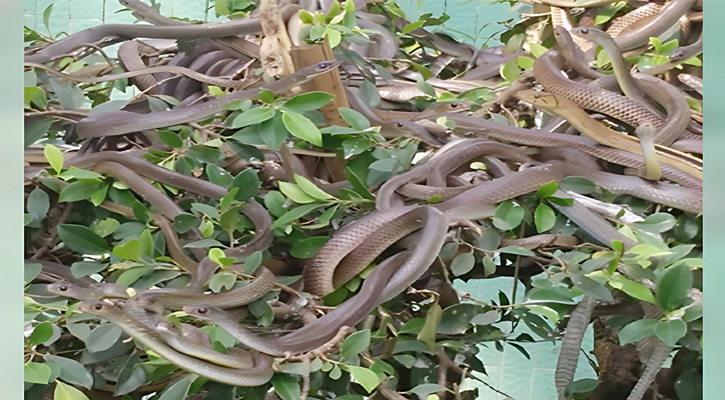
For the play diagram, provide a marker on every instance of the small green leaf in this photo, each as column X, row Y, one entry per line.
column 295, row 214
column 301, row 127
column 186, row 222
column 427, row 333
column 510, row 71
column 632, row 288
column 79, row 190
column 67, row 392
column 547, row 190
column 103, row 337
column 178, row 390
column 412, row 26
column 31, row 271
column 508, row 216
column 218, row 256
column 54, row 157
column 72, row 371
column 462, row 264
column 311, row 189
column 537, row 50
column 252, row 262
column 356, row 120
column 582, row 386
column 105, row 227
column 248, row 182
column 295, row 193
column 525, row 62
column 368, row 379
column 578, row 184
column 309, row 247
column 355, row 344
column 252, row 117
column 82, row 240
column 517, row 250
column 38, row 204
column 170, row 138
column 37, row 373
column 672, row 287
column 636, row 331
column 670, row 331
column 544, row 218
column 46, row 16
column 42, row 332
column 425, row 389
column 286, row 386
column 206, row 209
column 308, row 102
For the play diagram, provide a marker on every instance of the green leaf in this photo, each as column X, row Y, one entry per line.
column 672, row 287
column 218, row 175
column 369, row 92
column 670, row 331
column 354, row 146
column 591, row 287
column 296, row 213
column 632, row 288
column 356, row 120
column 462, row 264
column 525, row 62
column 46, row 16
column 252, row 262
column 83, row 268
column 637, row 331
column 508, row 216
column 412, row 26
column 54, row 157
column 657, row 223
column 273, row 132
column 130, row 250
column 311, row 189
column 355, row 344
column 544, row 218
column 82, row 240
column 72, row 371
column 248, row 182
column 427, row 333
column 170, row 138
column 286, row 386
column 79, row 190
column 103, row 337
column 218, row 256
column 186, row 222
column 105, row 227
column 582, row 386
column 301, row 127
column 34, row 130
column 131, row 377
column 178, row 390
column 577, row 184
column 547, row 190
column 252, row 117
column 309, row 247
column 607, row 12
column 206, row 209
column 308, row 102
column 365, row 377
column 31, row 271
column 38, row 204
column 67, row 392
column 537, row 50
column 41, row 333
column 425, row 389
column 510, row 71
column 36, row 373
column 295, row 193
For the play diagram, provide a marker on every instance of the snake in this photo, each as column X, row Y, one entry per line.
column 123, row 122
column 260, row 374
column 95, row 34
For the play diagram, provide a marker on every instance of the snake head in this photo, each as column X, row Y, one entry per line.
column 95, row 307
column 319, row 68
column 201, row 311
column 59, row 287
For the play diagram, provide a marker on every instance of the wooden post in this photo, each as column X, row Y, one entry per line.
column 305, row 55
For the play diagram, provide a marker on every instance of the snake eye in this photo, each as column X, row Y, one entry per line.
column 323, row 65
column 62, row 288
column 98, row 306
column 202, row 310
column 584, row 30
column 399, row 124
